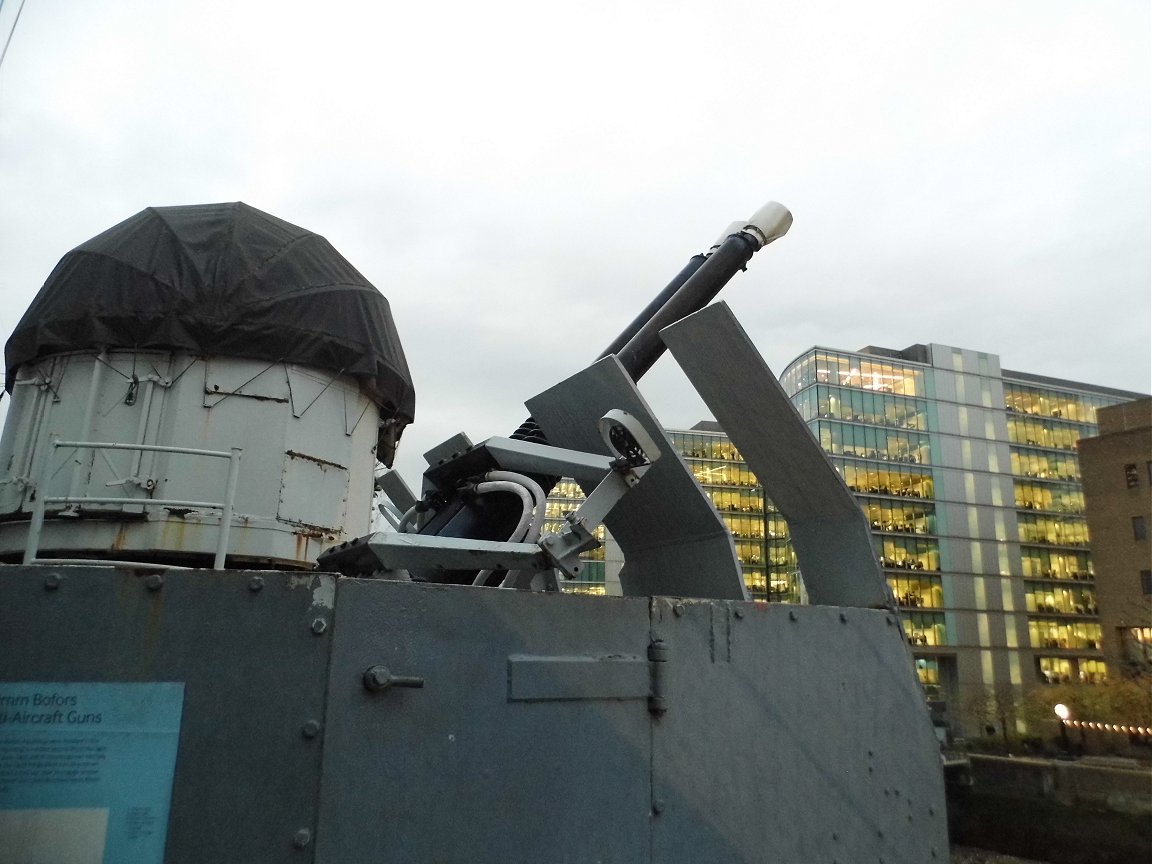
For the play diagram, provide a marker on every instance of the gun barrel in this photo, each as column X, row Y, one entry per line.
column 638, row 347
column 645, row 347
column 655, row 305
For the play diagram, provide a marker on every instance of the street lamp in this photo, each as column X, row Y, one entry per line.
column 1063, row 713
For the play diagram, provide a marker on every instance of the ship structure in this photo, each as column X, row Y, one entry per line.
column 209, row 655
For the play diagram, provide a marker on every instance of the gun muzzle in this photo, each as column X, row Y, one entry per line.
column 769, row 223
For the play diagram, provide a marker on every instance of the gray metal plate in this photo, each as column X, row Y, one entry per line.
column 506, row 753
column 829, row 531
column 674, row 541
column 792, row 734
column 253, row 669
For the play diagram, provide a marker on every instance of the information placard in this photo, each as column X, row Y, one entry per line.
column 86, row 771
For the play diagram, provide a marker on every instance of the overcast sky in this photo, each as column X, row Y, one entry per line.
column 519, row 178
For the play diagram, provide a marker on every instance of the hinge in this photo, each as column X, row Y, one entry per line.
column 658, row 653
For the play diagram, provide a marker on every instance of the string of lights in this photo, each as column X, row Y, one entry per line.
column 1123, row 728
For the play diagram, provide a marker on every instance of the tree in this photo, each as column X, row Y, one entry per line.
column 1126, row 701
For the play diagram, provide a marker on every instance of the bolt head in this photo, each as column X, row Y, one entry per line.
column 302, row 838
column 310, row 729
column 739, row 612
column 154, row 581
column 51, row 581
column 256, row 583
column 319, row 625
column 678, row 608
column 377, row 678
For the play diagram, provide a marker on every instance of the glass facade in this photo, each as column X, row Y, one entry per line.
column 872, row 415
column 970, row 478
column 1045, row 423
column 759, row 532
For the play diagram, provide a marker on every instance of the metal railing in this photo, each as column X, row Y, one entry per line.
column 225, row 507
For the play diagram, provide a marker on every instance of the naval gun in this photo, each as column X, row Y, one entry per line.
column 223, row 662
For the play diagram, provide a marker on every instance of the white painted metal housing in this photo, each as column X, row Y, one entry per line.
column 307, row 438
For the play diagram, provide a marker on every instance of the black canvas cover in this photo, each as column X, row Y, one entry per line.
column 219, row 279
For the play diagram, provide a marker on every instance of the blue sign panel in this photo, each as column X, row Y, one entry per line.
column 86, row 771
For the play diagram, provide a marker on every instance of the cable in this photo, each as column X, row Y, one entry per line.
column 540, row 500
column 523, row 527
column 406, row 519
column 525, row 498
column 513, row 577
column 11, row 32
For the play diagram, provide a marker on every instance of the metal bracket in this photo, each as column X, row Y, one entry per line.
column 637, row 452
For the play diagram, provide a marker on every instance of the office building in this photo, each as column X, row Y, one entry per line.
column 970, row 477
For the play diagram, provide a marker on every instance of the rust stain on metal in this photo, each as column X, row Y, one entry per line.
column 313, row 532
column 314, row 459
column 121, row 538
column 173, row 534
column 305, row 535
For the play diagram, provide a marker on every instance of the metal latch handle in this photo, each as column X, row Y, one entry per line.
column 378, row 678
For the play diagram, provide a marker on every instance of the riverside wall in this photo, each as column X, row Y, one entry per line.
column 1089, row 811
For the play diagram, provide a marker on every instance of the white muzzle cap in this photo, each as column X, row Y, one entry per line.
column 770, row 222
